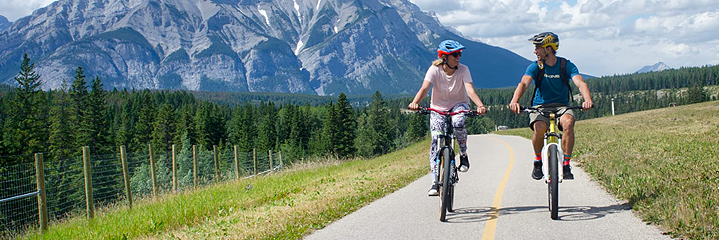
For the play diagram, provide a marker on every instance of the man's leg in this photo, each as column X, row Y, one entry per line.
column 540, row 127
column 567, row 122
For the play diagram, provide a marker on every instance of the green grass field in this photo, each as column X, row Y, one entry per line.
column 664, row 162
column 284, row 205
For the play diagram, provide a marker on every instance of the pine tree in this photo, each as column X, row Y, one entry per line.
column 266, row 134
column 217, row 125
column 26, row 129
column 145, row 120
column 374, row 135
column 164, row 127
column 379, row 122
column 366, row 136
column 98, row 119
column 246, row 140
column 202, row 125
column 328, row 136
column 345, row 137
column 80, row 122
column 696, row 94
column 125, row 132
column 62, row 150
column 80, row 110
column 418, row 127
column 185, row 126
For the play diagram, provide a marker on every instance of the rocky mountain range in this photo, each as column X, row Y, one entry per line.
column 300, row 46
column 4, row 23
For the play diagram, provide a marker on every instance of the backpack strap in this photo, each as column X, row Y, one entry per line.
column 565, row 78
column 538, row 80
column 562, row 74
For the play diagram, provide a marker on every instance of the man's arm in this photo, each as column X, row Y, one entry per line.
column 584, row 89
column 521, row 88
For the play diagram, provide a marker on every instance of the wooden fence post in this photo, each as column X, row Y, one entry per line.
column 237, row 163
column 254, row 161
column 126, row 174
column 194, row 164
column 41, row 197
column 281, row 164
column 88, row 182
column 152, row 169
column 174, row 171
column 217, row 163
column 270, row 156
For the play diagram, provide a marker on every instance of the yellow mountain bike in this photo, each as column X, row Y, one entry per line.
column 552, row 154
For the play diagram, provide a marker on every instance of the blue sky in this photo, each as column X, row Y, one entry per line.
column 603, row 37
column 14, row 9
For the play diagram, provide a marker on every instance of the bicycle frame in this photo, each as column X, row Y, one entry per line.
column 447, row 175
column 446, row 138
column 552, row 153
column 552, row 137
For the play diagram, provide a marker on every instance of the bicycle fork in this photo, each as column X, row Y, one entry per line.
column 454, row 177
column 545, row 156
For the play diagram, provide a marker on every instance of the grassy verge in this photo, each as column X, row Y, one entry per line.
column 664, row 162
column 286, row 205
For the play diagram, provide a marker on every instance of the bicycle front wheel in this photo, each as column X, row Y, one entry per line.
column 445, row 191
column 553, row 185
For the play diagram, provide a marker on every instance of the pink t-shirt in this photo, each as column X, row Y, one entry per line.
column 447, row 91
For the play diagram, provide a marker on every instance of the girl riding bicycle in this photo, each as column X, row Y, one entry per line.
column 451, row 86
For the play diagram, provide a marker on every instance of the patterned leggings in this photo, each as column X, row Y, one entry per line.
column 436, row 126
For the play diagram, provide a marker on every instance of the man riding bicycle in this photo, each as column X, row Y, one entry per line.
column 551, row 76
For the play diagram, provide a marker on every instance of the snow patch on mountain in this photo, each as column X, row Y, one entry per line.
column 264, row 13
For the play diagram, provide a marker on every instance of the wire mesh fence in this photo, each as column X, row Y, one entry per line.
column 18, row 208
column 64, row 185
column 64, row 179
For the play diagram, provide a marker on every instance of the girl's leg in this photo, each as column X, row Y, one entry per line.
column 460, row 130
column 436, row 125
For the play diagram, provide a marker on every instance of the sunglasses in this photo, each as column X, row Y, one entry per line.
column 456, row 54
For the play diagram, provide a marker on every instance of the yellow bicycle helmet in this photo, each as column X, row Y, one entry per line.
column 546, row 39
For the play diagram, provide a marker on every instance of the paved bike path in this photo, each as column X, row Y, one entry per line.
column 496, row 199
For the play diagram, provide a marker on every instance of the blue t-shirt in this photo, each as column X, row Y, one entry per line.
column 553, row 89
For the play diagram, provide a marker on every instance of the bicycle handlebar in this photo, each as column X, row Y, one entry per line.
column 426, row 110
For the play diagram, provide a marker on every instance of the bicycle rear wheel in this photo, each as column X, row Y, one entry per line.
column 444, row 191
column 553, row 185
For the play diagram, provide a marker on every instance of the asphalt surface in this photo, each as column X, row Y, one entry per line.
column 495, row 199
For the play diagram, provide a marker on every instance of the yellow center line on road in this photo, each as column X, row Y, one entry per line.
column 491, row 225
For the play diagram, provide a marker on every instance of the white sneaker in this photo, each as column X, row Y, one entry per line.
column 463, row 163
column 434, row 190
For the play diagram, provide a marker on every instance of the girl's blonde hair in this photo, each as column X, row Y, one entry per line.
column 438, row 62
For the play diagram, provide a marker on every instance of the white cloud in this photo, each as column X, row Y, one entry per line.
column 15, row 9
column 603, row 37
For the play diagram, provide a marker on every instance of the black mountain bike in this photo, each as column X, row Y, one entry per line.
column 551, row 154
column 447, row 165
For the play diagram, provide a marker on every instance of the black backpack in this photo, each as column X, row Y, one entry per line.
column 562, row 75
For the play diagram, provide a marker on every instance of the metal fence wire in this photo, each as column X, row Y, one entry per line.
column 18, row 187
